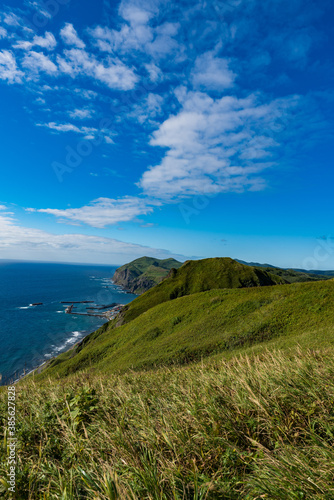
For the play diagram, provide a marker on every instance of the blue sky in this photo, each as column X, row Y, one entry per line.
column 187, row 129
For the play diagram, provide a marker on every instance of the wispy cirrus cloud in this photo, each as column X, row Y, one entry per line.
column 89, row 133
column 68, row 127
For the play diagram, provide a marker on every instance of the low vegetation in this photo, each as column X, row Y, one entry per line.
column 253, row 427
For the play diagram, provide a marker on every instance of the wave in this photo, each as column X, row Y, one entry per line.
column 74, row 338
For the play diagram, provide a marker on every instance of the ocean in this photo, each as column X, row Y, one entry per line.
column 30, row 335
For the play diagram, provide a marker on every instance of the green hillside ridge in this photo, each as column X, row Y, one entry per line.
column 292, row 275
column 198, row 276
column 142, row 274
column 216, row 322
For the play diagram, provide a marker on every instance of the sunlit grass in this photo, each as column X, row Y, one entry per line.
column 254, row 427
column 216, row 322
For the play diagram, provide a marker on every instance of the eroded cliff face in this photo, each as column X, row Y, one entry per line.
column 133, row 282
column 142, row 274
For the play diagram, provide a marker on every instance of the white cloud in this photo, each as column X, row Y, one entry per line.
column 136, row 33
column 3, row 32
column 47, row 42
column 89, row 133
column 212, row 73
column 37, row 62
column 81, row 114
column 70, row 36
column 214, row 145
column 114, row 74
column 154, row 72
column 68, row 127
column 149, row 109
column 18, row 242
column 104, row 38
column 103, row 211
column 138, row 13
column 109, row 140
column 11, row 19
column 86, row 94
column 164, row 42
column 126, row 39
column 43, row 10
column 8, row 68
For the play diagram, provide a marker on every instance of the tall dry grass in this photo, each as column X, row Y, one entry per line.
column 250, row 428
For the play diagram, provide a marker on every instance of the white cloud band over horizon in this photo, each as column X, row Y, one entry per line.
column 18, row 242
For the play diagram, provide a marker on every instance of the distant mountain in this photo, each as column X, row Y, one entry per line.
column 142, row 274
column 199, row 276
column 292, row 275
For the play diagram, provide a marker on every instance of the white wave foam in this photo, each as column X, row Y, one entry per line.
column 70, row 340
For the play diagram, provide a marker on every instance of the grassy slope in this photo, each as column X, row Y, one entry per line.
column 199, row 276
column 206, row 323
column 250, row 428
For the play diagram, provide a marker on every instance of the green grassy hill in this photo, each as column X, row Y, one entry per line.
column 218, row 394
column 198, row 276
column 250, row 422
column 142, row 274
column 208, row 323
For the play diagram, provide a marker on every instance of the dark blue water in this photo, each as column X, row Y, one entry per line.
column 31, row 335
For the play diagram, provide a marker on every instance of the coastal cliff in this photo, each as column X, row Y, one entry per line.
column 142, row 274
